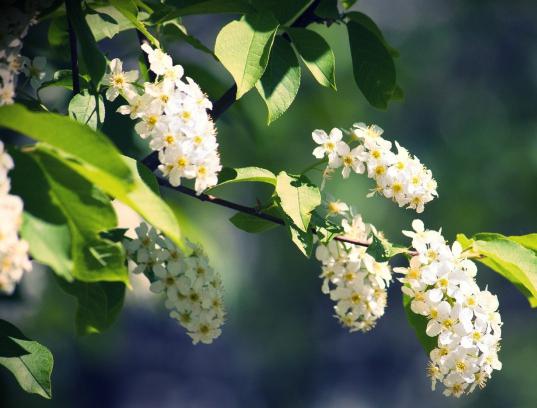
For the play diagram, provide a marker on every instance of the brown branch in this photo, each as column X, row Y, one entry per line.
column 74, row 58
column 244, row 209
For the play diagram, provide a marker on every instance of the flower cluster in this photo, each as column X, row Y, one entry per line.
column 194, row 291
column 13, row 251
column 399, row 176
column 440, row 283
column 353, row 279
column 14, row 24
column 173, row 115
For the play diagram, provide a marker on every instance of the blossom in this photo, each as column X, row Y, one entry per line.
column 330, row 145
column 463, row 319
column 14, row 259
column 35, row 70
column 352, row 278
column 159, row 62
column 398, row 175
column 172, row 116
column 119, row 81
column 193, row 289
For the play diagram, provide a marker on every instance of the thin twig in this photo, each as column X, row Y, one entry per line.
column 244, row 209
column 74, row 58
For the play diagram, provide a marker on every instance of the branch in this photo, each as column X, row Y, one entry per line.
column 74, row 58
column 228, row 98
column 244, row 209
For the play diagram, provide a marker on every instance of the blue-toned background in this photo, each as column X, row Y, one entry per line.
column 469, row 72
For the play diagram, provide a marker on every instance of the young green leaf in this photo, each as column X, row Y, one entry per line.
column 91, row 149
column 99, row 304
column 101, row 25
column 298, row 198
column 93, row 59
column 528, row 241
column 302, row 239
column 347, row 4
column 244, row 46
column 245, row 174
column 44, row 225
column 378, row 250
column 316, row 54
column 57, row 31
column 373, row 66
column 279, row 84
column 31, row 364
column 419, row 324
column 88, row 212
column 130, row 11
column 83, row 109
column 509, row 258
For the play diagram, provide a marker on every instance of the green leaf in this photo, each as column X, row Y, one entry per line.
column 94, row 157
column 92, row 58
column 251, row 223
column 325, row 229
column 32, row 366
column 298, row 198
column 509, row 258
column 303, row 240
column 347, row 4
column 44, row 226
column 419, row 324
column 187, row 7
column 88, row 212
column 91, row 149
column 130, row 11
column 174, row 31
column 83, row 109
column 63, row 78
column 57, row 32
column 378, row 250
column 373, row 66
column 285, row 11
column 244, row 46
column 245, row 174
column 368, row 23
column 316, row 54
column 327, row 9
column 279, row 84
column 529, row 241
column 99, row 304
column 102, row 25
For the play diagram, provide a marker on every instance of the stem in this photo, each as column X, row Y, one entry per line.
column 74, row 58
column 244, row 209
column 141, row 40
column 313, row 165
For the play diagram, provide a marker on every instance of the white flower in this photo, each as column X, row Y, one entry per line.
column 353, row 279
column 331, row 145
column 119, row 81
column 159, row 61
column 35, row 70
column 464, row 319
column 193, row 290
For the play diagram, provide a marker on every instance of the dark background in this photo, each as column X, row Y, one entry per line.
column 469, row 72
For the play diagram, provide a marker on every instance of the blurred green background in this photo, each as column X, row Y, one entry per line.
column 469, row 72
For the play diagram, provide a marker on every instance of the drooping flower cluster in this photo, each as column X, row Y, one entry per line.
column 14, row 24
column 399, row 176
column 194, row 291
column 464, row 319
column 172, row 114
column 353, row 279
column 13, row 250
